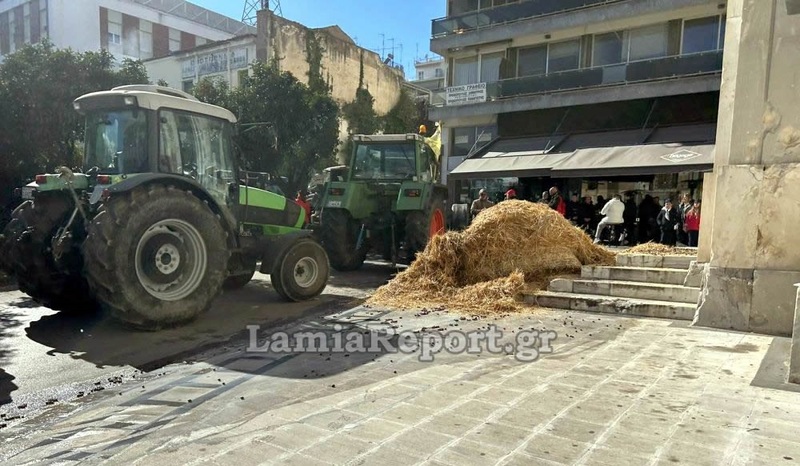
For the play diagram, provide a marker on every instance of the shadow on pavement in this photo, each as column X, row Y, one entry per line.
column 103, row 342
column 9, row 320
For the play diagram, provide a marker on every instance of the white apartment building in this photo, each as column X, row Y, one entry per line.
column 137, row 29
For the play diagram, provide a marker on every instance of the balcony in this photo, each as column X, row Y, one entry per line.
column 526, row 9
column 598, row 78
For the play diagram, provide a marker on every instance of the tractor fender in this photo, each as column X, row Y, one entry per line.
column 273, row 247
column 180, row 182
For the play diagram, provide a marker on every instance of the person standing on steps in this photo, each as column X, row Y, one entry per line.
column 668, row 222
column 692, row 224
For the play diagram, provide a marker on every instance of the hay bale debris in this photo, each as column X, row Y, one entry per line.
column 483, row 269
column 655, row 249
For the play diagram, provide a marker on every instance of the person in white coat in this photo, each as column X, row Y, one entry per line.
column 613, row 215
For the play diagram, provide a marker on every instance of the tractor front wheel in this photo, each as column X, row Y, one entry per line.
column 156, row 257
column 302, row 271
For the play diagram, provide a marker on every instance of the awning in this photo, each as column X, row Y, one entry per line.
column 526, row 156
column 512, row 164
column 648, row 159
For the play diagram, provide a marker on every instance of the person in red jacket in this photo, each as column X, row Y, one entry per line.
column 692, row 224
column 301, row 201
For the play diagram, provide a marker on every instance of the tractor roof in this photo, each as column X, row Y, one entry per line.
column 157, row 97
column 388, row 137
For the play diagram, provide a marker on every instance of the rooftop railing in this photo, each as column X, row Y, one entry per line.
column 508, row 13
column 658, row 69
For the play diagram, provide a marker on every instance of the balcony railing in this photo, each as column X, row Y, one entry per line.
column 627, row 73
column 525, row 9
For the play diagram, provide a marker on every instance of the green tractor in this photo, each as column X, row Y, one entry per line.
column 159, row 222
column 389, row 201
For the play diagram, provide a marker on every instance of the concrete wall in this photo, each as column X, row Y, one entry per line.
column 340, row 62
column 754, row 258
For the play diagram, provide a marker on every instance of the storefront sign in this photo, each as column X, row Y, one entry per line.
column 467, row 94
column 681, row 156
column 215, row 62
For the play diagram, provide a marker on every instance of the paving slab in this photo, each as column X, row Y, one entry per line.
column 614, row 391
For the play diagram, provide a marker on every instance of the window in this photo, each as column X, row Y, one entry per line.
column 26, row 23
column 114, row 30
column 420, row 75
column 465, row 138
column 385, row 161
column 648, row 42
column 439, row 73
column 490, row 67
column 608, row 49
column 42, row 20
column 188, row 86
column 117, row 141
column 458, row 7
column 564, row 56
column 145, row 39
column 243, row 75
column 701, row 35
column 199, row 147
column 12, row 33
column 532, row 61
column 174, row 40
column 465, row 71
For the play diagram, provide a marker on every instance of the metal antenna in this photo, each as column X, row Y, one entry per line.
column 251, row 8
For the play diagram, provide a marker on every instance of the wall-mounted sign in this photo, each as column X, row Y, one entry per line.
column 681, row 156
column 466, row 94
column 215, row 62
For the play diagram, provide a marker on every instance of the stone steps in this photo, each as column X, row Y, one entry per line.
column 613, row 305
column 625, row 289
column 634, row 274
column 639, row 285
column 650, row 261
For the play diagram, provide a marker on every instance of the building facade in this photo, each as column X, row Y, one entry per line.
column 136, row 29
column 228, row 60
column 430, row 73
column 557, row 92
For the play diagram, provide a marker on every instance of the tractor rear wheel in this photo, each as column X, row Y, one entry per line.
column 340, row 237
column 301, row 272
column 27, row 250
column 156, row 257
column 422, row 226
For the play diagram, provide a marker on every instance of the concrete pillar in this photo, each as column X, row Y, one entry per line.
column 794, row 362
column 754, row 256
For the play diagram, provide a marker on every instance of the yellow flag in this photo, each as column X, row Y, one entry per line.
column 435, row 142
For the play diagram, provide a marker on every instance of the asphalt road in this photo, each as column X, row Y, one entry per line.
column 47, row 357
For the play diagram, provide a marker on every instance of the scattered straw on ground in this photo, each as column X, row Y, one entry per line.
column 509, row 248
column 659, row 250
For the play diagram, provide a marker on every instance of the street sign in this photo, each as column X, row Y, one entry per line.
column 466, row 94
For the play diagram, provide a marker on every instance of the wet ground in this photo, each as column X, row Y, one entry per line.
column 48, row 357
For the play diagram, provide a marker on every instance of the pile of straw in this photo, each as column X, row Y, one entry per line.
column 656, row 249
column 483, row 269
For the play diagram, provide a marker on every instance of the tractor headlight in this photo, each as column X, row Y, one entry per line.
column 130, row 100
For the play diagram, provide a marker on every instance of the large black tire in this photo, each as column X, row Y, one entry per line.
column 340, row 238
column 240, row 278
column 26, row 247
column 419, row 226
column 156, row 257
column 301, row 272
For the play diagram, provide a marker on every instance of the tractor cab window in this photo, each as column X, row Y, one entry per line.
column 116, row 141
column 385, row 161
column 198, row 147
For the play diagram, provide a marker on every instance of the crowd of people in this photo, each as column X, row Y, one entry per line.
column 647, row 221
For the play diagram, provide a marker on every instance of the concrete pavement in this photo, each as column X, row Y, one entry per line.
column 615, row 391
